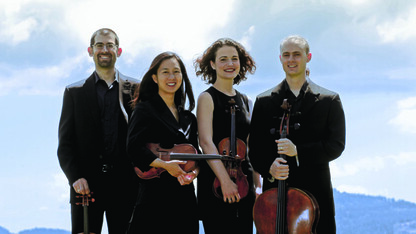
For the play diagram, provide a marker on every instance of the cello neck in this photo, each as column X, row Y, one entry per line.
column 281, row 223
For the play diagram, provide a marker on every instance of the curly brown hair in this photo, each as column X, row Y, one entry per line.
column 203, row 63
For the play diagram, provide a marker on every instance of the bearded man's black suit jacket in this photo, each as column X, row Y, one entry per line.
column 81, row 144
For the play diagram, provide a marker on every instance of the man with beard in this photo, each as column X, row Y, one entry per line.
column 92, row 140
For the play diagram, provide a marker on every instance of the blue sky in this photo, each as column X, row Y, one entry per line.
column 362, row 49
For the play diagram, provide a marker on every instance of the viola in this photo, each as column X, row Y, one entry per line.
column 85, row 202
column 178, row 152
column 284, row 210
column 235, row 149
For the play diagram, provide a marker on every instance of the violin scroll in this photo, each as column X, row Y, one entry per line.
column 85, row 199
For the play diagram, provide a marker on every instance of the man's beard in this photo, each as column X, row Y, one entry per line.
column 105, row 63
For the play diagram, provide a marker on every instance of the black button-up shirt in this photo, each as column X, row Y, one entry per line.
column 108, row 102
column 295, row 101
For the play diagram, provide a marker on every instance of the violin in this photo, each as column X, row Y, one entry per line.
column 235, row 149
column 85, row 202
column 178, row 152
column 284, row 210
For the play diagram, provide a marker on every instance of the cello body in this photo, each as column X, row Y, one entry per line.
column 302, row 212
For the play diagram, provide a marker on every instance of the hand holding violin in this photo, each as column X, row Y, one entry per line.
column 188, row 177
column 81, row 186
column 230, row 191
column 172, row 167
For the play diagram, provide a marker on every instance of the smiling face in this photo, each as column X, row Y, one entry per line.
column 227, row 63
column 168, row 77
column 294, row 59
column 104, row 51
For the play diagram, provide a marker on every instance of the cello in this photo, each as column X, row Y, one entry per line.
column 235, row 149
column 284, row 210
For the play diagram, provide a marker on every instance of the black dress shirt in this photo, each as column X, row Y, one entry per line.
column 107, row 97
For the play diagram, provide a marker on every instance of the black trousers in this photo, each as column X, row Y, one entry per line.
column 114, row 200
column 117, row 216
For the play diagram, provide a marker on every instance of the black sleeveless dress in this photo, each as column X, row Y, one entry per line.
column 214, row 212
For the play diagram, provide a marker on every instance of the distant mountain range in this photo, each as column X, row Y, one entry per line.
column 37, row 231
column 373, row 214
column 354, row 213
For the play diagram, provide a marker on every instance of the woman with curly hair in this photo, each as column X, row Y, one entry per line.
column 223, row 64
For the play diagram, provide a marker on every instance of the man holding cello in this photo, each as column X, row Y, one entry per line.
column 315, row 134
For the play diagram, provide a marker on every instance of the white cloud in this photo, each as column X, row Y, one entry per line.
column 14, row 29
column 60, row 187
column 186, row 27
column 38, row 80
column 246, row 39
column 348, row 5
column 352, row 189
column 16, row 32
column 20, row 19
column 400, row 29
column 405, row 158
column 363, row 164
column 392, row 21
column 377, row 175
column 348, row 188
column 406, row 115
column 372, row 164
column 182, row 26
column 404, row 74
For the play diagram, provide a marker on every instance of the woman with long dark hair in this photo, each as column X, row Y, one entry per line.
column 166, row 204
